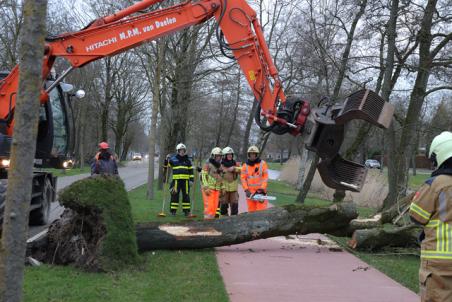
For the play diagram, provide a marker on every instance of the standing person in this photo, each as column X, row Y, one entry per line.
column 104, row 161
column 182, row 179
column 254, row 178
column 231, row 174
column 432, row 208
column 212, row 184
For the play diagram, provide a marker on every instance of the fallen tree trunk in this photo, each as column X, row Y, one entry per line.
column 376, row 238
column 277, row 221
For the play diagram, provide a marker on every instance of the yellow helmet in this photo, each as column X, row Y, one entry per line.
column 215, row 151
column 442, row 147
column 253, row 149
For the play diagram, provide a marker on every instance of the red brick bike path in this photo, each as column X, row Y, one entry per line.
column 303, row 268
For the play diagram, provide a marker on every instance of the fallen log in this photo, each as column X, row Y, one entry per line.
column 277, row 221
column 387, row 216
column 385, row 236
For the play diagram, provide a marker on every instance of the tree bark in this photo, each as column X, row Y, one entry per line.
column 308, row 179
column 373, row 239
column 277, row 221
column 17, row 204
column 154, row 115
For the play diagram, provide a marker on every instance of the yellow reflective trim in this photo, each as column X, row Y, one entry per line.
column 432, row 223
column 438, row 245
column 415, row 207
column 419, row 213
column 182, row 167
column 446, row 237
column 181, row 177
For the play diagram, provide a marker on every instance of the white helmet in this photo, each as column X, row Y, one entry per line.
column 180, row 146
column 215, row 151
column 442, row 147
column 228, row 150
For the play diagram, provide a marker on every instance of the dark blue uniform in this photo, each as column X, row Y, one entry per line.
column 182, row 176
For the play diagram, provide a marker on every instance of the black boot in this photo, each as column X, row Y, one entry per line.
column 224, row 209
column 234, row 208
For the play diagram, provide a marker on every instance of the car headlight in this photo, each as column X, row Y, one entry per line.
column 5, row 162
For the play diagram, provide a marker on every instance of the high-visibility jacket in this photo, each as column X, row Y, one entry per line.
column 254, row 176
column 211, row 176
column 432, row 207
column 181, row 166
column 231, row 177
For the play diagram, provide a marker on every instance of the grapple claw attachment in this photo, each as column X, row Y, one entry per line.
column 338, row 173
column 366, row 105
column 325, row 134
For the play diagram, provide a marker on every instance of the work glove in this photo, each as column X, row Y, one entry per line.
column 261, row 191
column 206, row 191
column 173, row 190
column 191, row 182
column 248, row 193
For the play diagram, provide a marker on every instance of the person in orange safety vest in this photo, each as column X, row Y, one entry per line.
column 212, row 184
column 254, row 177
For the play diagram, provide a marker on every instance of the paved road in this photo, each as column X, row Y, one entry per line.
column 134, row 175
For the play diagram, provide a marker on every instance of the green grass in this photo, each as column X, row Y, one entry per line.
column 163, row 276
column 68, row 172
column 275, row 166
column 415, row 181
column 147, row 210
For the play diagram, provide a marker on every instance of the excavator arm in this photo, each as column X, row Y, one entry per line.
column 238, row 32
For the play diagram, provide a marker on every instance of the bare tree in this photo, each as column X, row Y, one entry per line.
column 15, row 217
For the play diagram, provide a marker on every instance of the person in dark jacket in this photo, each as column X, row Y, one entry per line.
column 104, row 162
column 182, row 171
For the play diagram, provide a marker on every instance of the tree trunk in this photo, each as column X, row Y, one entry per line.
column 246, row 136
column 308, row 180
column 18, row 196
column 277, row 221
column 373, row 239
column 155, row 108
column 302, row 168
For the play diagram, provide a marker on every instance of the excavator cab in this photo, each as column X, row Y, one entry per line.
column 55, row 143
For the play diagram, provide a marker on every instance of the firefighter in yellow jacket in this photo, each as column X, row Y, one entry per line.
column 212, row 185
column 231, row 174
column 432, row 208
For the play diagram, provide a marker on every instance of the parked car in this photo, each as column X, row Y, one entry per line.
column 137, row 156
column 372, row 163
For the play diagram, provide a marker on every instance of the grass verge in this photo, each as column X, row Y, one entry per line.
column 68, row 172
column 275, row 166
column 163, row 276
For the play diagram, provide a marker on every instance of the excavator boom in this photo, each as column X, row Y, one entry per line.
column 238, row 33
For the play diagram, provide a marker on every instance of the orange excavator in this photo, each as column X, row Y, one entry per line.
column 240, row 36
